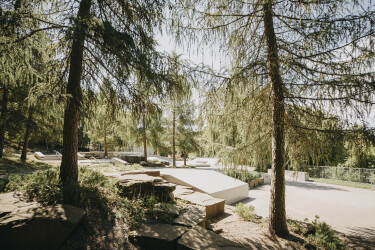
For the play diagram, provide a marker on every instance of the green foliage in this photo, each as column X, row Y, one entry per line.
column 242, row 174
column 246, row 212
column 317, row 233
column 12, row 165
column 324, row 236
column 342, row 183
column 94, row 192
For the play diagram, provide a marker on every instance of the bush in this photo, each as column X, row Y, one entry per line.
column 243, row 175
column 324, row 236
column 318, row 233
column 94, row 192
column 245, row 212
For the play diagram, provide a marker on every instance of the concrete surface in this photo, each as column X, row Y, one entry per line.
column 348, row 210
column 216, row 184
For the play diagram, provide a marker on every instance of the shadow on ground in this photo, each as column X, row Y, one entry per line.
column 314, row 186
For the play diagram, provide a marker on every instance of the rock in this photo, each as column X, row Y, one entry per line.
column 191, row 216
column 170, row 209
column 142, row 184
column 164, row 191
column 157, row 236
column 154, row 173
column 201, row 238
column 151, row 164
column 133, row 158
column 31, row 226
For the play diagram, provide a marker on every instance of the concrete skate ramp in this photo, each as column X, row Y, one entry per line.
column 211, row 182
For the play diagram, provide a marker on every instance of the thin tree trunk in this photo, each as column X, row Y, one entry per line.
column 3, row 125
column 174, row 138
column 46, row 145
column 277, row 217
column 105, row 142
column 144, row 139
column 27, row 133
column 69, row 164
column 184, row 158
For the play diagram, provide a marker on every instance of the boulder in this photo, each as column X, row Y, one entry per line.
column 151, row 164
column 143, row 184
column 169, row 209
column 201, row 238
column 32, row 226
column 157, row 236
column 191, row 216
column 154, row 173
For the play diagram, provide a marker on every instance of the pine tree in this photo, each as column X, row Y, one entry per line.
column 299, row 50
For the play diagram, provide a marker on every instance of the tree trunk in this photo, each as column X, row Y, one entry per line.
column 184, row 158
column 46, row 145
column 3, row 125
column 174, row 138
column 144, row 139
column 105, row 142
column 27, row 133
column 69, row 164
column 277, row 217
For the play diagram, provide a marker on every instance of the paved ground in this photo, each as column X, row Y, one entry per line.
column 348, row 210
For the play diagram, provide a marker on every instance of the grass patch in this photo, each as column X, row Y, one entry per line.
column 247, row 213
column 342, row 183
column 111, row 168
column 13, row 165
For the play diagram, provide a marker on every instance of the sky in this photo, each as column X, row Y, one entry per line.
column 211, row 57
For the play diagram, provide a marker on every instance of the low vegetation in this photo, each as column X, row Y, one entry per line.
column 11, row 165
column 94, row 192
column 342, row 183
column 246, row 212
column 242, row 174
column 111, row 168
column 317, row 233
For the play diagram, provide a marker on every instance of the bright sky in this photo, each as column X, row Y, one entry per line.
column 211, row 57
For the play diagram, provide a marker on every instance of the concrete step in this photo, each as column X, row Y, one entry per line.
column 214, row 206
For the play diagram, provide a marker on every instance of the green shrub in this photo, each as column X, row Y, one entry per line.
column 243, row 175
column 93, row 192
column 324, row 236
column 245, row 212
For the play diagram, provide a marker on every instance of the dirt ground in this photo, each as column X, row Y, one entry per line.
column 249, row 234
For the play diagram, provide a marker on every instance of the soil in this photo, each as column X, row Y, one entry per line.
column 250, row 234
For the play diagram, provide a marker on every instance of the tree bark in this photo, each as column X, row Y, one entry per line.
column 174, row 138
column 46, row 145
column 277, row 217
column 144, row 139
column 3, row 125
column 184, row 158
column 27, row 133
column 69, row 164
column 105, row 142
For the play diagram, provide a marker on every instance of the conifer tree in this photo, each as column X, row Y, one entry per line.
column 309, row 53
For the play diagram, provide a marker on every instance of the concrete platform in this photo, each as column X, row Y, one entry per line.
column 210, row 182
column 213, row 206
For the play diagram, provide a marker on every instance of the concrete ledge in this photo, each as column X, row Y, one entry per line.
column 210, row 182
column 116, row 160
column 293, row 175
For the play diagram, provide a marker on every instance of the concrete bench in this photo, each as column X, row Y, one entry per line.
column 39, row 155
